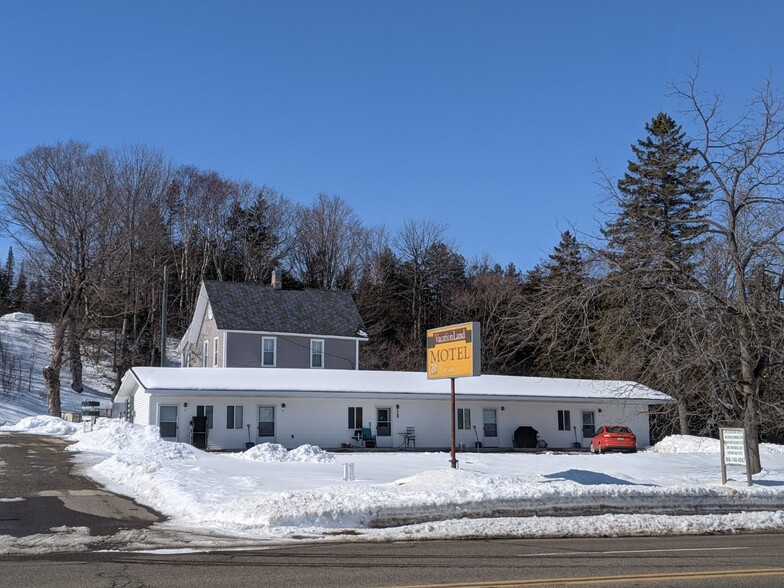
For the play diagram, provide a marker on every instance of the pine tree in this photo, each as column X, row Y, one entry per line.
column 565, row 314
column 7, row 282
column 661, row 199
column 19, row 293
column 652, row 246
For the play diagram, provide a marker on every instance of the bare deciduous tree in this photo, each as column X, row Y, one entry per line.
column 744, row 161
column 327, row 245
column 60, row 205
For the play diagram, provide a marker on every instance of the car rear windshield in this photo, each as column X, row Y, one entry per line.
column 618, row 430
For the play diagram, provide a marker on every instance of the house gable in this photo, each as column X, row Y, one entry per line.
column 235, row 318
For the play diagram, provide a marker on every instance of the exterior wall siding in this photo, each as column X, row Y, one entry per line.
column 141, row 407
column 324, row 421
column 340, row 354
column 208, row 332
column 244, row 350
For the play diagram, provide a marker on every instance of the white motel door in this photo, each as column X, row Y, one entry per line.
column 266, row 424
column 490, row 427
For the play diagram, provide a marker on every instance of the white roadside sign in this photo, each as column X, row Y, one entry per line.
column 734, row 451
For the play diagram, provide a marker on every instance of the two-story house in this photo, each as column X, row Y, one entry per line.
column 254, row 325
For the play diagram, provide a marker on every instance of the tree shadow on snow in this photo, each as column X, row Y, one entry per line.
column 590, row 478
column 763, row 482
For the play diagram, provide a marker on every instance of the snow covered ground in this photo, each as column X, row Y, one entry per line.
column 25, row 349
column 270, row 495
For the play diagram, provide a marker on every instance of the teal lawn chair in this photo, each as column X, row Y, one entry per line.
column 368, row 438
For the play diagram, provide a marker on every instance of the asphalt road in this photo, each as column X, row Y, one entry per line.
column 726, row 561
column 39, row 491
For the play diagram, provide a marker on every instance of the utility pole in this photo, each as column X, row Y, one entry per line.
column 164, row 313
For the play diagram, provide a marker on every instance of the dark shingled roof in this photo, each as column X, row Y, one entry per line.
column 240, row 306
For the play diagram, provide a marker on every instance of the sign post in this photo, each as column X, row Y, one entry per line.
column 453, row 352
column 734, row 451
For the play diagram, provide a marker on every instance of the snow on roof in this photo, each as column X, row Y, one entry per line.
column 352, row 382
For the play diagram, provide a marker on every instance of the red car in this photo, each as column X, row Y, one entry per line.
column 613, row 438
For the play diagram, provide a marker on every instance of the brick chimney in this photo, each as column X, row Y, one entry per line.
column 276, row 281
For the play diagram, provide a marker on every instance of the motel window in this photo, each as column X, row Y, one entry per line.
column 564, row 420
column 233, row 417
column 268, row 345
column 317, row 353
column 463, row 418
column 354, row 417
column 205, row 410
column 215, row 352
column 205, row 353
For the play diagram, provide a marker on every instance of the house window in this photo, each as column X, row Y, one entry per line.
column 233, row 417
column 589, row 424
column 268, row 345
column 205, row 410
column 215, row 352
column 354, row 417
column 205, row 353
column 564, row 420
column 317, row 353
column 463, row 418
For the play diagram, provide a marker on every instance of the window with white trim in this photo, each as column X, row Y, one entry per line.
column 355, row 417
column 564, row 420
column 233, row 417
column 464, row 418
column 203, row 410
column 215, row 352
column 268, row 348
column 317, row 353
column 205, row 353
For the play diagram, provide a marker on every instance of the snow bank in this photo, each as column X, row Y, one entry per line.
column 113, row 436
column 687, row 444
column 692, row 444
column 43, row 425
column 273, row 452
column 17, row 317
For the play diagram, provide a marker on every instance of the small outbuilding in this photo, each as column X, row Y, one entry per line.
column 341, row 408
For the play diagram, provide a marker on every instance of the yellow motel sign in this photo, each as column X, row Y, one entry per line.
column 453, row 351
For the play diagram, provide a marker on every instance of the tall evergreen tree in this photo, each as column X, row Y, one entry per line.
column 565, row 314
column 7, row 282
column 659, row 226
column 653, row 243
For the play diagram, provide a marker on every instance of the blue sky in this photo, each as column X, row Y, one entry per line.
column 488, row 116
